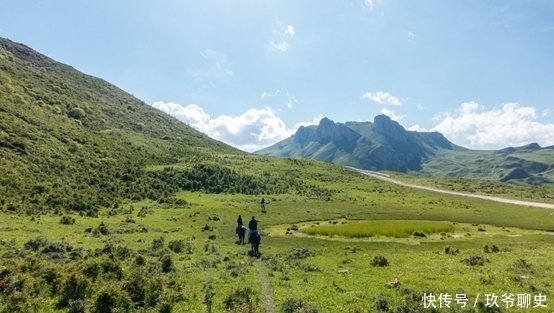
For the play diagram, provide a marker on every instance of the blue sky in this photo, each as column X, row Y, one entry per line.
column 251, row 72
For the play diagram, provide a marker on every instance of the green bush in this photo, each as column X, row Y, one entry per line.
column 76, row 113
column 177, row 246
column 241, row 297
column 67, row 220
column 111, row 299
column 75, row 288
column 293, row 305
column 379, row 260
column 167, row 264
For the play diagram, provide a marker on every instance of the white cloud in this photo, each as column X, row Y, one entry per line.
column 283, row 95
column 283, row 46
column 507, row 125
column 420, row 107
column 417, row 128
column 392, row 114
column 544, row 113
column 251, row 131
column 411, row 34
column 370, row 4
column 383, row 98
column 290, row 30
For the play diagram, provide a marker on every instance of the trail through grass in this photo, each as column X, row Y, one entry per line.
column 269, row 304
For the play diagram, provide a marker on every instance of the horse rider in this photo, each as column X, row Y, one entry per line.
column 263, row 204
column 239, row 221
column 253, row 226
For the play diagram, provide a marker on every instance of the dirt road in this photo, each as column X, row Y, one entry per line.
column 269, row 304
column 497, row 199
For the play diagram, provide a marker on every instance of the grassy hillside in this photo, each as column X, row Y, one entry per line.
column 72, row 141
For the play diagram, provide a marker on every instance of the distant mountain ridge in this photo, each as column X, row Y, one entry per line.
column 384, row 144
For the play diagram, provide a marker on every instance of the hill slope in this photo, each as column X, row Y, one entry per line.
column 69, row 140
column 386, row 145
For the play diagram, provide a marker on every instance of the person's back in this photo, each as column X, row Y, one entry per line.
column 253, row 225
column 239, row 221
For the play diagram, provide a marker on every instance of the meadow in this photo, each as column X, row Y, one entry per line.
column 183, row 257
column 395, row 229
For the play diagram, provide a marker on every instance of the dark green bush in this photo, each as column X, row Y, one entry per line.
column 379, row 260
column 242, row 297
column 74, row 288
column 67, row 220
column 293, row 305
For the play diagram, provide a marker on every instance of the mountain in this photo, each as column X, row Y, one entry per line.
column 73, row 141
column 385, row 145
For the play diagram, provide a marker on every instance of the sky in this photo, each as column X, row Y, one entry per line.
column 250, row 72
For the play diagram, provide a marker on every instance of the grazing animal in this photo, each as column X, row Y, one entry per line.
column 255, row 239
column 241, row 232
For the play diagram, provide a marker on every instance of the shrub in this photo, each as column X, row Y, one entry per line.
column 158, row 243
column 111, row 299
column 522, row 264
column 300, row 253
column 241, row 297
column 139, row 260
column 292, row 305
column 381, row 303
column 177, row 246
column 76, row 113
column 167, row 264
column 37, row 243
column 67, row 220
column 379, row 260
column 75, row 288
column 143, row 289
column 474, row 260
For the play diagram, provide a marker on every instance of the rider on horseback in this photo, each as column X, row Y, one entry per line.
column 253, row 226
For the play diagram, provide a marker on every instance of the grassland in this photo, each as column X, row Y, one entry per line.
column 395, row 229
column 328, row 273
column 516, row 191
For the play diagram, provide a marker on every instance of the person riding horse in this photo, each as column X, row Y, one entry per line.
column 254, row 237
column 240, row 230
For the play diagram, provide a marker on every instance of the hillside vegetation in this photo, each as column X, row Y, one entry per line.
column 72, row 141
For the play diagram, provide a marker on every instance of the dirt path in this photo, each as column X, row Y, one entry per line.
column 269, row 305
column 498, row 199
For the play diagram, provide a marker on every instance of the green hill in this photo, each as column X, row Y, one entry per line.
column 70, row 140
column 386, row 145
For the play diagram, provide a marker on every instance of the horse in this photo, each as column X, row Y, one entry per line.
column 241, row 232
column 255, row 240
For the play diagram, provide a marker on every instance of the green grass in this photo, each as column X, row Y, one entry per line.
column 397, row 229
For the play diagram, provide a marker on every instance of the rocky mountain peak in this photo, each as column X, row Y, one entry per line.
column 327, row 131
column 386, row 126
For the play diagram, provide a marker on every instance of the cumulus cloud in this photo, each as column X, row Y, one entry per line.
column 251, row 131
column 392, row 114
column 420, row 107
column 417, row 128
column 508, row 125
column 411, row 34
column 383, row 98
